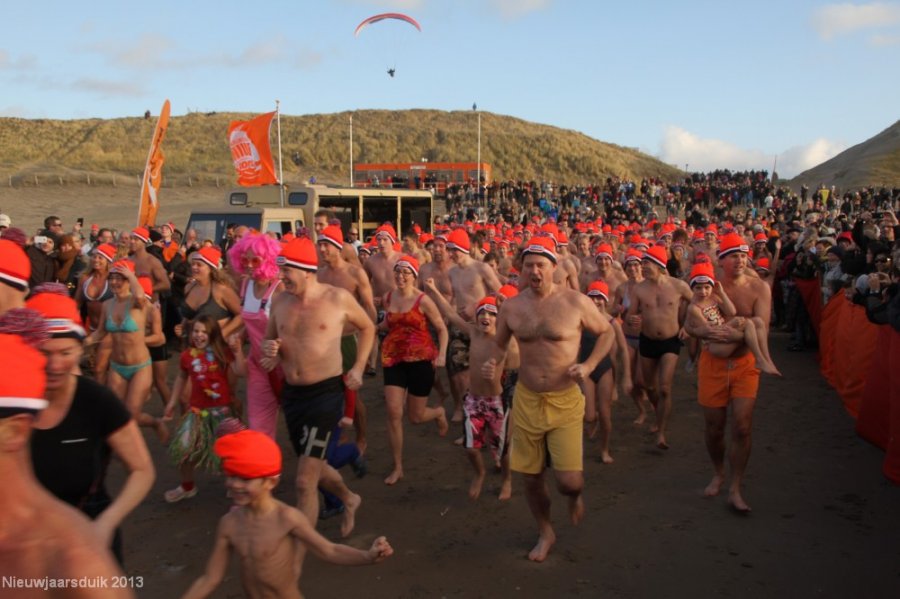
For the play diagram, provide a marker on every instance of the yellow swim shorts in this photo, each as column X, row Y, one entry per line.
column 546, row 426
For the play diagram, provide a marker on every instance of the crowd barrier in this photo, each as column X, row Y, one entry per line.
column 861, row 361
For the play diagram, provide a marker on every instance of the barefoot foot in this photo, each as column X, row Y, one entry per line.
column 661, row 441
column 349, row 520
column 162, row 431
column 606, row 458
column 475, row 486
column 540, row 551
column 737, row 502
column 714, row 486
column 654, row 428
column 642, row 417
column 457, row 416
column 394, row 476
column 505, row 489
column 769, row 368
column 442, row 424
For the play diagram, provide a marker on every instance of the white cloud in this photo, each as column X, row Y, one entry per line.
column 834, row 20
column 884, row 40
column 18, row 111
column 680, row 147
column 24, row 62
column 105, row 87
column 511, row 9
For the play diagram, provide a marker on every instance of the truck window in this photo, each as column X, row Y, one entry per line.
column 298, row 198
column 279, row 226
column 238, row 198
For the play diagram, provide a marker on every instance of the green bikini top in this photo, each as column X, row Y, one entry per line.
column 128, row 324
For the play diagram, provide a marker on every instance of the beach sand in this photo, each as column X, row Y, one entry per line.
column 825, row 521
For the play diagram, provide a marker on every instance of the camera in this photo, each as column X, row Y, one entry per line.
column 40, row 239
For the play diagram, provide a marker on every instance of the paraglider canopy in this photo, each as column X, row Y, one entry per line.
column 382, row 17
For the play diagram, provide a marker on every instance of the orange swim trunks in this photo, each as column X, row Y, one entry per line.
column 722, row 379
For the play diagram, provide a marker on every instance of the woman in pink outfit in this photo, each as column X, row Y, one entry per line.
column 253, row 258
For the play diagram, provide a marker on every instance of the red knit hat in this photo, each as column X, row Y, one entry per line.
column 22, row 376
column 488, row 304
column 541, row 246
column 299, row 253
column 387, row 229
column 459, row 240
column 60, row 312
column 15, row 267
column 604, row 250
column 508, row 291
column 147, row 286
column 123, row 263
column 408, row 262
column 731, row 243
column 762, row 264
column 141, row 233
column 598, row 289
column 248, row 454
column 702, row 272
column 211, row 256
column 107, row 250
column 332, row 234
column 656, row 254
column 633, row 256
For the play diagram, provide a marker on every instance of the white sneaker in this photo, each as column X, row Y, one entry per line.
column 178, row 493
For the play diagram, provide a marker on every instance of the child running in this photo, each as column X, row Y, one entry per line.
column 483, row 407
column 264, row 531
column 711, row 304
column 212, row 367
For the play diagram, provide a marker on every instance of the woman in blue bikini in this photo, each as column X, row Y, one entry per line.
column 124, row 318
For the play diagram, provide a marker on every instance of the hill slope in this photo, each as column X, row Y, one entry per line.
column 875, row 161
column 196, row 147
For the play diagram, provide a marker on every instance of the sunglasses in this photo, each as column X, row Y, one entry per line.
column 253, row 262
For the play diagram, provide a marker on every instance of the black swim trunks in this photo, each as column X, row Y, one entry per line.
column 655, row 348
column 311, row 413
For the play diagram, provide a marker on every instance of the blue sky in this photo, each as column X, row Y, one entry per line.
column 699, row 83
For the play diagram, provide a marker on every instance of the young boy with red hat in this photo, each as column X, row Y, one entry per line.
column 263, row 531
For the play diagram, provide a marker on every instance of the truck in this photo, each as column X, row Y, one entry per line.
column 288, row 209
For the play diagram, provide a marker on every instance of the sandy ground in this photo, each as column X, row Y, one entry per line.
column 105, row 205
column 825, row 522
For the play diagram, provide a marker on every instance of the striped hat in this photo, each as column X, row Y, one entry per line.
column 702, row 272
column 732, row 243
column 459, row 240
column 299, row 253
column 22, row 376
column 656, row 254
column 59, row 311
column 408, row 262
column 107, row 250
column 541, row 246
column 633, row 256
column 15, row 267
column 141, row 233
column 508, row 291
column 387, row 229
column 332, row 234
column 598, row 289
column 210, row 256
column 762, row 264
column 487, row 304
column 604, row 250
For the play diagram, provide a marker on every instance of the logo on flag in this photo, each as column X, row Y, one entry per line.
column 250, row 151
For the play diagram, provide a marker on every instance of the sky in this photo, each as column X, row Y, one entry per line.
column 699, row 84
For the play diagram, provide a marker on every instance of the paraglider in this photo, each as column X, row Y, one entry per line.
column 388, row 15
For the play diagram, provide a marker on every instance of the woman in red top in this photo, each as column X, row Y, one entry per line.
column 409, row 357
column 212, row 367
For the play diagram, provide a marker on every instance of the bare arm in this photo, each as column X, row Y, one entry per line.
column 725, row 303
column 232, row 303
column 98, row 335
column 332, row 552
column 622, row 357
column 156, row 336
column 489, row 276
column 358, row 319
column 215, row 567
column 177, row 389
column 593, row 322
column 446, row 309
column 762, row 305
column 160, row 277
column 364, row 293
column 128, row 445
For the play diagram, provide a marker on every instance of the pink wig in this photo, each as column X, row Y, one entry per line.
column 263, row 246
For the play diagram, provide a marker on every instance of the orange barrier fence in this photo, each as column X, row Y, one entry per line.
column 861, row 361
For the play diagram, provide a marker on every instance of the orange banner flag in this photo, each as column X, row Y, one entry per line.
column 250, row 151
column 152, row 180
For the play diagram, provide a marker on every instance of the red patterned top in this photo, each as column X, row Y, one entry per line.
column 209, row 381
column 408, row 338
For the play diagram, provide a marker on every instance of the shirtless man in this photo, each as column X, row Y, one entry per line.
column 267, row 534
column 380, row 268
column 548, row 408
column 587, row 273
column 304, row 333
column 41, row 536
column 336, row 271
column 605, row 268
column 146, row 264
column 661, row 301
column 15, row 270
column 411, row 247
column 735, row 379
column 470, row 281
column 438, row 269
column 566, row 272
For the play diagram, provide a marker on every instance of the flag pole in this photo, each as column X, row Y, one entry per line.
column 478, row 182
column 280, row 164
column 351, row 150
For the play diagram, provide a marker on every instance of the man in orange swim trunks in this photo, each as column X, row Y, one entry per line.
column 734, row 379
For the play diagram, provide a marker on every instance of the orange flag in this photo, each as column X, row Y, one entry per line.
column 250, row 151
column 153, row 172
